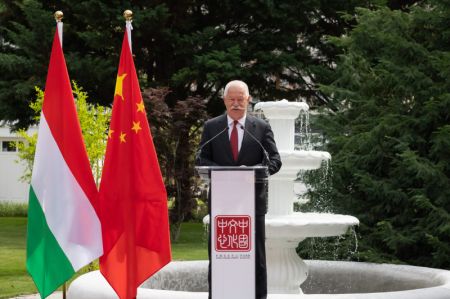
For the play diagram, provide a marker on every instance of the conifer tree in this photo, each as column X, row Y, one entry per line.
column 390, row 138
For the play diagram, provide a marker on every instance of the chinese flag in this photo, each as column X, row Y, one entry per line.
column 133, row 200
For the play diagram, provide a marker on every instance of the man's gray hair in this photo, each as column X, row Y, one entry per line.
column 239, row 83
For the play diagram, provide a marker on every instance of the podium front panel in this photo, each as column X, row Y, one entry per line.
column 232, row 234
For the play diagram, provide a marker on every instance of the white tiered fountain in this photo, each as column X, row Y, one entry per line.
column 284, row 230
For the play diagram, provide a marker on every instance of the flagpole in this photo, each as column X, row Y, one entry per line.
column 128, row 15
column 58, row 18
column 59, row 24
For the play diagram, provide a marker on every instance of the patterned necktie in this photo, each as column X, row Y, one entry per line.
column 234, row 141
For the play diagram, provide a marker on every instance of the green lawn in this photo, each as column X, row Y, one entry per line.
column 14, row 279
column 192, row 243
column 13, row 275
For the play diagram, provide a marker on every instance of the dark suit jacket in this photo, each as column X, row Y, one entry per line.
column 218, row 151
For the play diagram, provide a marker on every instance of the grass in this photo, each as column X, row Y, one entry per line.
column 192, row 243
column 14, row 279
column 13, row 209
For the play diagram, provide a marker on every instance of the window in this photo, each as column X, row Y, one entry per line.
column 9, row 146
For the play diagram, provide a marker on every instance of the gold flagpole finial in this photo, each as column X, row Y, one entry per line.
column 58, row 15
column 128, row 15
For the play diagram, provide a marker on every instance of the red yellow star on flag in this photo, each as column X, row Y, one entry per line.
column 119, row 86
column 140, row 107
column 136, row 127
column 110, row 132
column 122, row 137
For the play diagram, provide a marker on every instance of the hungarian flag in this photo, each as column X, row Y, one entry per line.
column 133, row 200
column 64, row 232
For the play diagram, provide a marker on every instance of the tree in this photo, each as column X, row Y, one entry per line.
column 176, row 134
column 390, row 137
column 94, row 122
column 193, row 47
column 23, row 58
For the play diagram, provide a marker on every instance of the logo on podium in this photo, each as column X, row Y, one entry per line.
column 233, row 233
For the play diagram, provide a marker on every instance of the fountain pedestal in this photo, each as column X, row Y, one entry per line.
column 286, row 268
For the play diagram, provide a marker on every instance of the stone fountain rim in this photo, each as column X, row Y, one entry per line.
column 302, row 219
column 303, row 153
column 438, row 282
column 311, row 218
column 282, row 104
column 298, row 226
column 295, row 220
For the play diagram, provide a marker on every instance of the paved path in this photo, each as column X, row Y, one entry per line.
column 55, row 295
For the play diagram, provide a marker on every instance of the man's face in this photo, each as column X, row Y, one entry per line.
column 236, row 102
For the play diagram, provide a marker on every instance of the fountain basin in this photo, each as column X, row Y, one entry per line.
column 295, row 160
column 304, row 225
column 281, row 109
column 327, row 280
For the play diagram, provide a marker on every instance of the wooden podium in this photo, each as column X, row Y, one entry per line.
column 232, row 228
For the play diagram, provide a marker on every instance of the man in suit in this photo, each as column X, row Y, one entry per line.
column 225, row 143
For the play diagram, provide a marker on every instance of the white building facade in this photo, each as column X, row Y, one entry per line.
column 11, row 188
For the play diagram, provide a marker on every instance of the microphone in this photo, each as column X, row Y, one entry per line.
column 199, row 151
column 266, row 154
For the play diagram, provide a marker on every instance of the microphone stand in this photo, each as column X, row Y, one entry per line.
column 199, row 151
column 266, row 161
